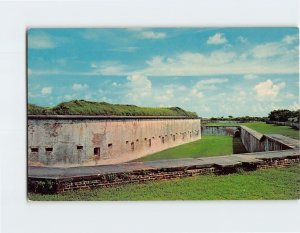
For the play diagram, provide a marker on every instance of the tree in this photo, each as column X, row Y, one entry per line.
column 281, row 115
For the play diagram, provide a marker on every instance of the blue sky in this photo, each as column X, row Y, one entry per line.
column 211, row 71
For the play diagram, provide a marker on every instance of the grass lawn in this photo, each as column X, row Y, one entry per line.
column 275, row 183
column 262, row 127
column 225, row 123
column 207, row 146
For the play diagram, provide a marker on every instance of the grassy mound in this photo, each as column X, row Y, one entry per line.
column 83, row 107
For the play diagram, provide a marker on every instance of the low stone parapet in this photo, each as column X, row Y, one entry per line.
column 57, row 180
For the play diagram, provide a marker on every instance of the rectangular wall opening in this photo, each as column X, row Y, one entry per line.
column 97, row 151
column 149, row 142
column 79, row 147
column 49, row 149
column 109, row 145
column 34, row 149
column 132, row 146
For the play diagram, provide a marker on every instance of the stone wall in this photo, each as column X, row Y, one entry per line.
column 48, row 185
column 75, row 140
column 257, row 142
column 219, row 130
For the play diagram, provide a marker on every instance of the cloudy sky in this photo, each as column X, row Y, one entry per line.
column 211, row 71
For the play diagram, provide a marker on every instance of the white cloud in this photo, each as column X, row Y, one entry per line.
column 250, row 76
column 139, row 87
column 152, row 35
column 166, row 95
column 79, row 86
column 242, row 93
column 46, row 90
column 212, row 81
column 224, row 62
column 61, row 61
column 289, row 39
column 210, row 84
column 41, row 41
column 269, row 50
column 109, row 68
column 218, row 38
column 69, row 97
column 197, row 93
column 242, row 39
column 268, row 89
column 125, row 49
column 290, row 96
column 295, row 106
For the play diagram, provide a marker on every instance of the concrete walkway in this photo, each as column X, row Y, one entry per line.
column 221, row 161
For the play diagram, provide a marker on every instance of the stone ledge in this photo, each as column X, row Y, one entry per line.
column 57, row 180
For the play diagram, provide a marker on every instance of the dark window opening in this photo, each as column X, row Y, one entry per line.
column 174, row 138
column 152, row 137
column 79, row 147
column 237, row 134
column 34, row 149
column 145, row 139
column 137, row 140
column 163, row 140
column 110, row 145
column 97, row 151
column 132, row 146
column 127, row 142
column 149, row 142
column 49, row 149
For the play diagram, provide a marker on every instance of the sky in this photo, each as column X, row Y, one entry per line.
column 211, row 71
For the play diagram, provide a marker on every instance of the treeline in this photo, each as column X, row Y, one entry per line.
column 83, row 107
column 238, row 119
column 281, row 115
column 284, row 115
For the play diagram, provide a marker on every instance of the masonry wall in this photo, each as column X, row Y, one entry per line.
column 256, row 142
column 219, row 130
column 64, row 142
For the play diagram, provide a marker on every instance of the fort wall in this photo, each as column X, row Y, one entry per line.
column 219, row 130
column 79, row 140
column 257, row 142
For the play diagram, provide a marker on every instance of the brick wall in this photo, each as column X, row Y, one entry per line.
column 43, row 185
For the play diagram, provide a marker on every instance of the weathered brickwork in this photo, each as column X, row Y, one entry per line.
column 48, row 185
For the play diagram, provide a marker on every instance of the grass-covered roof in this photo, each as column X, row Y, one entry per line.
column 83, row 107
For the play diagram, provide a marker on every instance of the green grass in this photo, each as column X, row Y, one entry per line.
column 207, row 146
column 268, row 184
column 82, row 107
column 224, row 123
column 264, row 128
